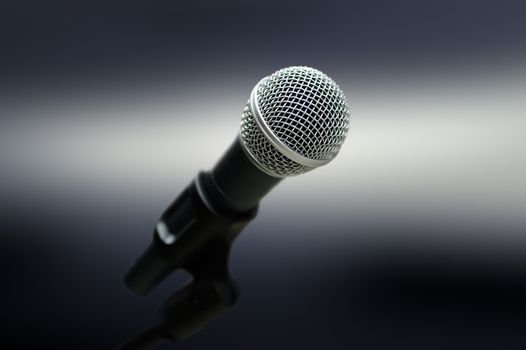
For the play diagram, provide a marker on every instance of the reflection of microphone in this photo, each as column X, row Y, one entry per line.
column 295, row 120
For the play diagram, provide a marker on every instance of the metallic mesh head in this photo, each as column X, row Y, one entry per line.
column 296, row 120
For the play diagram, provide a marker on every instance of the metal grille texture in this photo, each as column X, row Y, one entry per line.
column 305, row 110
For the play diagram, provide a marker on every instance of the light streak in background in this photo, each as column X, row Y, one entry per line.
column 445, row 146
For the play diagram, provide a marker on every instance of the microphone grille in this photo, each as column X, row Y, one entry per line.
column 296, row 120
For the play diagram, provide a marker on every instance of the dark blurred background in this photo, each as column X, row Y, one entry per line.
column 412, row 238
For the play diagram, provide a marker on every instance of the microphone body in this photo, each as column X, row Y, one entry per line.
column 295, row 120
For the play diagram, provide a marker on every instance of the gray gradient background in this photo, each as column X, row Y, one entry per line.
column 412, row 238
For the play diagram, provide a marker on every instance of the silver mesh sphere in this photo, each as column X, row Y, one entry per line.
column 296, row 120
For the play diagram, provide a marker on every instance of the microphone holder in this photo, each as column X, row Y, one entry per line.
column 209, row 294
column 195, row 234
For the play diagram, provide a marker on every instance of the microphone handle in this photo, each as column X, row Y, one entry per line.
column 241, row 182
column 217, row 205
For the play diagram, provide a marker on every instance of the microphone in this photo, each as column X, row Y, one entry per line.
column 295, row 120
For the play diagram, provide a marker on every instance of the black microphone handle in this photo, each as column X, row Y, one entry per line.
column 239, row 180
column 213, row 209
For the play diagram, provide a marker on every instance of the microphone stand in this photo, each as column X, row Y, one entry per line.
column 143, row 341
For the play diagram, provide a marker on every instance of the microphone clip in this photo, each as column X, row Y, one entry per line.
column 195, row 233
